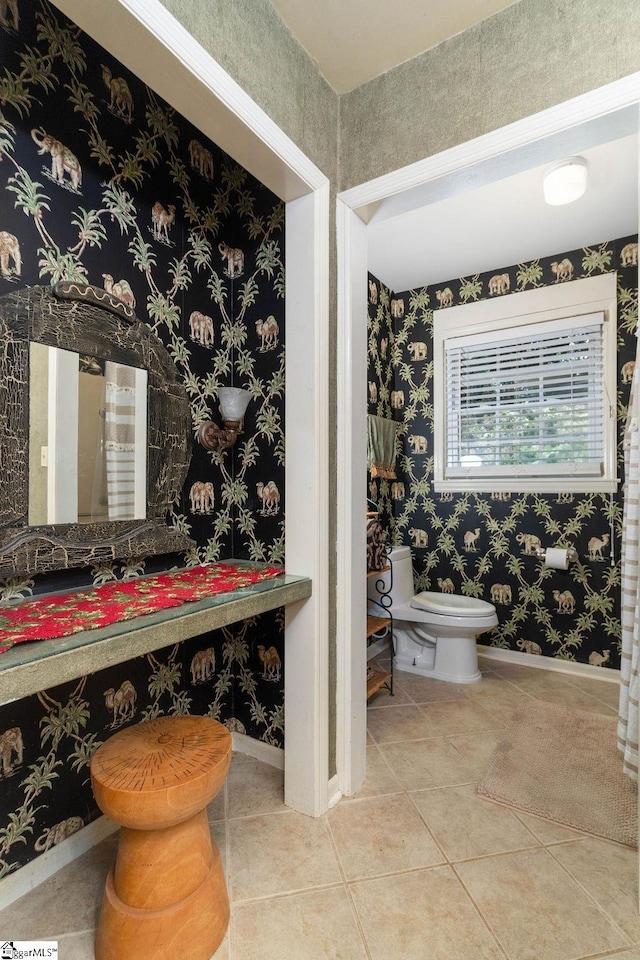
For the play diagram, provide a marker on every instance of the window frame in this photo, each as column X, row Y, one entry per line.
column 501, row 316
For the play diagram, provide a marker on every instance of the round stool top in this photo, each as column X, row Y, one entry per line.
column 161, row 772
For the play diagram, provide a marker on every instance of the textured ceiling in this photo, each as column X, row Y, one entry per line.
column 353, row 41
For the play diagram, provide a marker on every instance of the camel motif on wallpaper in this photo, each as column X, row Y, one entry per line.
column 161, row 220
column 120, row 289
column 121, row 102
column 11, row 744
column 121, row 702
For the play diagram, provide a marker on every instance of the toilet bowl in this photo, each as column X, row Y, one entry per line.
column 434, row 633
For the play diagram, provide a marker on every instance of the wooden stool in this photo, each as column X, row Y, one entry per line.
column 166, row 895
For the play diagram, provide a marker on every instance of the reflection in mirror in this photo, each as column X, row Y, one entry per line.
column 87, row 438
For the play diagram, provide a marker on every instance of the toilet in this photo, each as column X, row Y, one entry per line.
column 434, row 633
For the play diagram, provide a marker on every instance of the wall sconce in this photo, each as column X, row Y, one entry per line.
column 565, row 181
column 232, row 403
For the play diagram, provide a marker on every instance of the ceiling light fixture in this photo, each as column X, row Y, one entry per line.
column 565, row 181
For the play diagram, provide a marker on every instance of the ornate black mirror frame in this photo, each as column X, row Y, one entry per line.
column 86, row 320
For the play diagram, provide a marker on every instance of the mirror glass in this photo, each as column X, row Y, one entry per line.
column 87, row 438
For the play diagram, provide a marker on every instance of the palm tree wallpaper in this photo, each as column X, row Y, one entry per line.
column 483, row 545
column 103, row 182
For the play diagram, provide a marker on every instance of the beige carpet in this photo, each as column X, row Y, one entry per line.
column 563, row 764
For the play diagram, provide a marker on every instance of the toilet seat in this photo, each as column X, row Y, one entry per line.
column 451, row 605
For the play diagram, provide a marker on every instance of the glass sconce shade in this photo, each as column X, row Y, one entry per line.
column 233, row 402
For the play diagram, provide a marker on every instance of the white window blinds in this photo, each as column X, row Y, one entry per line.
column 530, row 403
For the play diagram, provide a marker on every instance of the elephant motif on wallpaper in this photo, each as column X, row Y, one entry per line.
column 446, row 585
column 384, row 345
column 161, row 220
column 10, row 744
column 530, row 542
column 445, row 297
column 201, row 159
column 203, row 664
column 9, row 7
column 121, row 102
column 268, row 331
column 565, row 601
column 420, row 537
column 529, row 646
column 270, row 496
column 397, row 309
column 235, row 260
column 373, row 490
column 54, row 835
column 9, row 250
column 417, row 442
column 120, row 289
column 373, row 392
column 397, row 490
column 501, row 495
column 417, row 350
column 201, row 497
column 122, row 702
column 201, row 328
column 629, row 255
column 62, row 159
column 499, row 284
column 501, row 593
column 373, row 292
column 599, row 659
column 596, row 546
column 563, row 271
column 397, row 399
column 626, row 373
column 565, row 498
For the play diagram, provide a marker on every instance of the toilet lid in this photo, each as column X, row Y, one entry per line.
column 452, row 605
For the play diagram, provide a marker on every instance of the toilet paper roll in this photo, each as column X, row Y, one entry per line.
column 556, row 558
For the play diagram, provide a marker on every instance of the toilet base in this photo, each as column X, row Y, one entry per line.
column 409, row 667
column 452, row 658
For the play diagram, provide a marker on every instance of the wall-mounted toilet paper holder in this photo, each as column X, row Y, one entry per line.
column 558, row 557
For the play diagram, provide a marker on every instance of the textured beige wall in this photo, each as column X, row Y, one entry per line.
column 250, row 42
column 533, row 55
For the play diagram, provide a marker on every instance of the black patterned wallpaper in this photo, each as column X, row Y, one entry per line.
column 483, row 545
column 102, row 182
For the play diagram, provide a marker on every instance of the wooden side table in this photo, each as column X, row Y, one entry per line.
column 166, row 895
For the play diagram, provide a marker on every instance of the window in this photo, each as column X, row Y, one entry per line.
column 525, row 391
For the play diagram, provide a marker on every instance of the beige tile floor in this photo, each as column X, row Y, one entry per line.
column 416, row 867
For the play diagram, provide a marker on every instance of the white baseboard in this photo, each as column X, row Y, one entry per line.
column 15, row 885
column 259, row 750
column 334, row 792
column 549, row 663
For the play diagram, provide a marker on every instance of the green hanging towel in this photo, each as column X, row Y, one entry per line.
column 381, row 446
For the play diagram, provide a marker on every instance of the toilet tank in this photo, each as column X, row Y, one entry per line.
column 402, row 590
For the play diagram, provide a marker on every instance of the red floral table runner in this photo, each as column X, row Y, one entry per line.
column 68, row 613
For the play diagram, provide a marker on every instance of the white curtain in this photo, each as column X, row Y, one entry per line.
column 120, row 409
column 629, row 687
